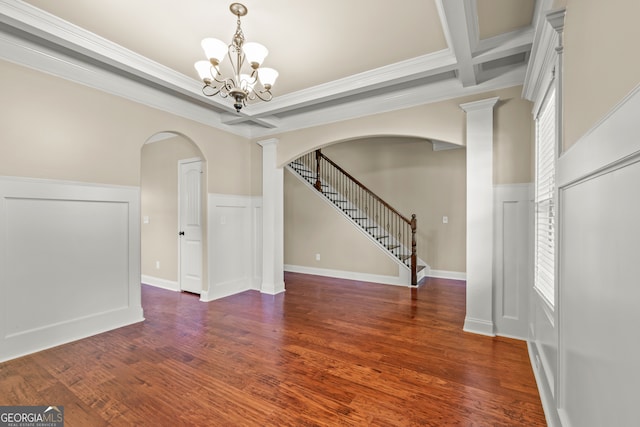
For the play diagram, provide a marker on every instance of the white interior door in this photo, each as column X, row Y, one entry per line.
column 190, row 219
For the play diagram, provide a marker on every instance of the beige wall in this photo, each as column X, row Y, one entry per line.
column 443, row 121
column 440, row 187
column 53, row 128
column 513, row 139
column 313, row 227
column 413, row 178
column 159, row 202
column 601, row 64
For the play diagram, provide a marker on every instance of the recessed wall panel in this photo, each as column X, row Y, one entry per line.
column 69, row 262
column 68, row 259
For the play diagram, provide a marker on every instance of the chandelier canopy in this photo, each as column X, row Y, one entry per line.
column 246, row 82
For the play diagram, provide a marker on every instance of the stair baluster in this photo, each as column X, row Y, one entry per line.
column 393, row 230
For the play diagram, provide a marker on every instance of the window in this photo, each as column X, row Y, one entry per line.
column 545, row 165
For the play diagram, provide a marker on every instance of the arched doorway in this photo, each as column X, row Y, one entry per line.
column 167, row 159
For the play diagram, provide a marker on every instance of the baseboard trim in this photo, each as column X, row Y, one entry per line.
column 68, row 331
column 478, row 326
column 444, row 274
column 348, row 275
column 157, row 282
column 512, row 336
column 226, row 289
column 548, row 403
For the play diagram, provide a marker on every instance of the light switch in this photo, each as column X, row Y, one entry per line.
column 445, row 220
column 145, row 219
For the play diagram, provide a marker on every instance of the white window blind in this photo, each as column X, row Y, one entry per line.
column 544, row 280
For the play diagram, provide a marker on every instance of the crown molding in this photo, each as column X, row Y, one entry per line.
column 399, row 100
column 543, row 54
column 400, row 72
column 42, row 41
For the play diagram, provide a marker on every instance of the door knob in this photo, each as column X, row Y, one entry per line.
column 181, row 233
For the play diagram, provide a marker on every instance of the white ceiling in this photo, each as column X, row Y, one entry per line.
column 337, row 59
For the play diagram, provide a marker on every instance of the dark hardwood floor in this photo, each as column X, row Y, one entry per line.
column 327, row 352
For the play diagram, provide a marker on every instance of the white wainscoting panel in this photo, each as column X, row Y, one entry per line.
column 233, row 251
column 599, row 180
column 257, row 242
column 513, row 261
column 69, row 262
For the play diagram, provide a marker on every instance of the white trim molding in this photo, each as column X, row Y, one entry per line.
column 479, row 317
column 157, row 282
column 513, row 258
column 445, row 274
column 543, row 56
column 272, row 219
column 400, row 280
column 234, row 253
column 34, row 38
column 69, row 245
column 597, row 293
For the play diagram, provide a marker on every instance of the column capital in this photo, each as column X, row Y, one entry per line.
column 480, row 105
column 556, row 19
column 268, row 142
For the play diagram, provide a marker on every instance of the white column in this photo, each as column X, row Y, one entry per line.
column 479, row 317
column 272, row 220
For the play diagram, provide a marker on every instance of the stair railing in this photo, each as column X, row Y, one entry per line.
column 392, row 229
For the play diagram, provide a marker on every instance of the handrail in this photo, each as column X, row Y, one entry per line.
column 383, row 221
column 359, row 184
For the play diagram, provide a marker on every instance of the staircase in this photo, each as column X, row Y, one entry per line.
column 392, row 231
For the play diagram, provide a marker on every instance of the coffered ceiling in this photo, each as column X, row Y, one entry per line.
column 337, row 59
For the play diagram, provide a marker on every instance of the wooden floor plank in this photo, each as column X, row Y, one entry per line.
column 326, row 352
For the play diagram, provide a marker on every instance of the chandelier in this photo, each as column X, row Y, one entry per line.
column 246, row 82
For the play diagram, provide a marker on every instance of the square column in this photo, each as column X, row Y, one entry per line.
column 272, row 220
column 479, row 317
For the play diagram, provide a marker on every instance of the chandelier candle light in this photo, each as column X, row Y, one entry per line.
column 241, row 86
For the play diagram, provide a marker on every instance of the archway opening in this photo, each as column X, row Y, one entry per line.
column 161, row 256
column 415, row 175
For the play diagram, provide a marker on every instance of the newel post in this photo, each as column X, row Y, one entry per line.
column 318, row 184
column 414, row 251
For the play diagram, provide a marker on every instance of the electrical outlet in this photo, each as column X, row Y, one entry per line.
column 317, row 257
column 445, row 220
column 157, row 265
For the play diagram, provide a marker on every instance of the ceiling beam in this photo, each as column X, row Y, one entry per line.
column 234, row 119
column 461, row 32
column 504, row 45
